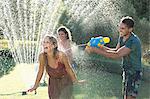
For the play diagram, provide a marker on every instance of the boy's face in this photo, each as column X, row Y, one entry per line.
column 124, row 30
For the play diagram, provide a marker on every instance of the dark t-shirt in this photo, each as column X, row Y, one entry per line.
column 132, row 61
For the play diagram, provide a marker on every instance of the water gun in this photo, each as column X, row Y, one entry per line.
column 98, row 41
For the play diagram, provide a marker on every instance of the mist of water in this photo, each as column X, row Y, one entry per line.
column 92, row 12
column 27, row 21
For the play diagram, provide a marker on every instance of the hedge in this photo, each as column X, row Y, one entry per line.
column 6, row 62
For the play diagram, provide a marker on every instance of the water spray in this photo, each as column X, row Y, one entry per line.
column 95, row 42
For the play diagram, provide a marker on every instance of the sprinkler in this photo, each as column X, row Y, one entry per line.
column 25, row 92
column 22, row 93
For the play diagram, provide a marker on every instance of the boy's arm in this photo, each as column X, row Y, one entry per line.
column 123, row 51
column 111, row 49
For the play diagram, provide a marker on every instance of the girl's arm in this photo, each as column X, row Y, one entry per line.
column 68, row 51
column 68, row 68
column 40, row 72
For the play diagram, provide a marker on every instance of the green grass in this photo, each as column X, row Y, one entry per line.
column 12, row 84
column 100, row 85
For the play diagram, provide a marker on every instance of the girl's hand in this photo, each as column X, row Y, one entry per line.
column 32, row 89
column 89, row 49
column 80, row 82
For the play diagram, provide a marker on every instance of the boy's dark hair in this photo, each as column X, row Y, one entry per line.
column 128, row 21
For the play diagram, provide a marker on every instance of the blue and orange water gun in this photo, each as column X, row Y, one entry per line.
column 98, row 41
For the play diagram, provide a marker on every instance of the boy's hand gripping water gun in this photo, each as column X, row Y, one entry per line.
column 98, row 41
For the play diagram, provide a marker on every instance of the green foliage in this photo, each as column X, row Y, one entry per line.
column 142, row 8
column 6, row 62
column 75, row 28
column 143, row 31
column 138, row 9
column 82, row 34
column 1, row 34
column 96, row 26
column 3, row 44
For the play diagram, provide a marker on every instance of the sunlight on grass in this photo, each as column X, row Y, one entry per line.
column 17, row 81
column 100, row 85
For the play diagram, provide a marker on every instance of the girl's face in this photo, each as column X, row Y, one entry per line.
column 62, row 36
column 48, row 45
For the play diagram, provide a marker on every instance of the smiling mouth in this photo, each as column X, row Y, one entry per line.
column 45, row 47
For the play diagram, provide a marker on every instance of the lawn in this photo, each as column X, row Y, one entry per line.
column 100, row 85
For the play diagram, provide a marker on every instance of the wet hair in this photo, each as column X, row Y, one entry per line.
column 66, row 31
column 54, row 42
column 128, row 21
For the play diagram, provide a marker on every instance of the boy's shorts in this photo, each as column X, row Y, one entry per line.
column 131, row 82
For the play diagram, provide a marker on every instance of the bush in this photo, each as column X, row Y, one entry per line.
column 4, row 44
column 6, row 62
column 16, row 43
column 6, row 53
